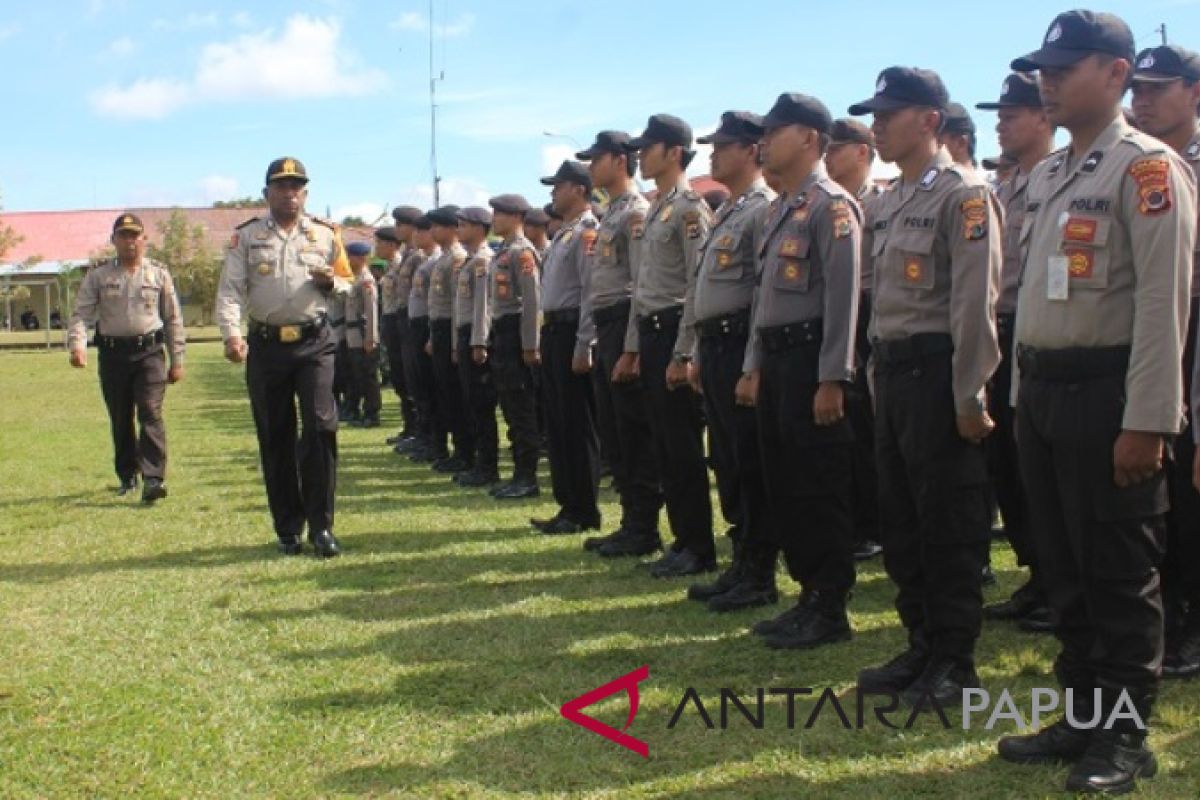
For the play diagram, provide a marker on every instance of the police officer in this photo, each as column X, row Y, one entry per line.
column 401, row 274
column 131, row 301
column 660, row 342
column 471, row 314
column 1026, row 136
column 536, row 222
column 958, row 135
column 848, row 161
column 442, row 280
column 622, row 408
column 513, row 331
column 566, row 351
column 362, row 334
column 798, row 363
column 430, row 445
column 1166, row 98
column 719, row 301
column 343, row 384
column 391, row 245
column 935, row 241
column 1101, row 315
column 279, row 271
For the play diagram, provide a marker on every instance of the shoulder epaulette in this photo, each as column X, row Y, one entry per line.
column 328, row 223
column 250, row 221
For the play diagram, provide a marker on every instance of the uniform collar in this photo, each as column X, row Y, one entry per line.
column 1192, row 151
column 757, row 187
column 1086, row 163
column 816, row 176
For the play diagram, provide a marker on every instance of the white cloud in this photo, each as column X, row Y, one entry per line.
column 241, row 19
column 554, row 154
column 459, row 191
column 119, row 48
column 413, row 21
column 368, row 212
column 306, row 59
column 9, row 30
column 218, row 187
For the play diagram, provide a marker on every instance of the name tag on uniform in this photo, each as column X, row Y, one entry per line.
column 1058, row 278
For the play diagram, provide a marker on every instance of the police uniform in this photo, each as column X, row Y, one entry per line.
column 134, row 312
column 362, row 341
column 568, row 401
column 512, row 330
column 343, row 385
column 266, row 277
column 394, row 288
column 661, row 332
column 470, row 313
column 936, row 249
column 622, row 410
column 1101, row 314
column 720, row 301
column 453, row 411
column 431, row 445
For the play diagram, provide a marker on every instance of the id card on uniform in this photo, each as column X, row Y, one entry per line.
column 1058, row 279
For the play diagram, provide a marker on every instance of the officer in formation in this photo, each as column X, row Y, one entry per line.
column 470, row 316
column 280, row 270
column 428, row 444
column 131, row 302
column 392, row 245
column 362, row 337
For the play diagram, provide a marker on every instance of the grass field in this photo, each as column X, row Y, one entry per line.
column 170, row 652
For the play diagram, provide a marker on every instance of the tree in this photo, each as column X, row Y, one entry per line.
column 353, row 222
column 242, row 202
column 195, row 267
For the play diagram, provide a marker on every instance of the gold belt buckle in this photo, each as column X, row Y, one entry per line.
column 289, row 333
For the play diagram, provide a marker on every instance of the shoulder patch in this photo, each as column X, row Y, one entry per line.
column 528, row 262
column 693, row 195
column 233, row 241
column 974, row 216
column 637, row 224
column 1154, row 188
column 929, row 177
column 839, row 214
column 250, row 221
column 1193, row 151
column 589, row 237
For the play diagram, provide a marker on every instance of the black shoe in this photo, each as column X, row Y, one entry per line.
column 1182, row 659
column 684, row 563
column 290, row 545
column 823, row 622
column 631, row 543
column 325, row 544
column 476, row 478
column 942, row 681
column 867, row 549
column 451, row 464
column 1023, row 601
column 896, row 675
column 518, row 490
column 1054, row 744
column 395, row 440
column 770, row 627
column 747, row 594
column 426, row 455
column 1038, row 620
column 410, row 444
column 127, row 485
column 369, row 422
column 153, row 489
column 1112, row 764
column 986, row 576
column 556, row 526
column 728, row 579
column 594, row 543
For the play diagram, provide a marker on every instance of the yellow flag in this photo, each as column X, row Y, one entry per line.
column 341, row 264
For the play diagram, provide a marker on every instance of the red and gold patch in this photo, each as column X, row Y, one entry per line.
column 1080, row 262
column 789, row 248
column 840, row 215
column 1079, row 229
column 637, row 225
column 800, row 214
column 791, row 272
column 233, row 242
column 724, row 260
column 914, row 269
column 1154, row 189
column 589, row 237
column 974, row 214
column 528, row 262
column 691, row 221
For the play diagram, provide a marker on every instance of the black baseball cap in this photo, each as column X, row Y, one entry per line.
column 998, row 162
column 958, row 120
column 286, row 167
column 551, row 213
column 1166, row 63
column 902, row 87
column 665, row 128
column 1075, row 35
column 793, row 108
column 445, row 215
column 570, row 172
column 606, row 142
column 510, row 204
column 475, row 214
column 742, row 127
column 406, row 215
column 851, row 131
column 387, row 234
column 1019, row 90
column 128, row 222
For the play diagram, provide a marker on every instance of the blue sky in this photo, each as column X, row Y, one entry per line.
column 110, row 103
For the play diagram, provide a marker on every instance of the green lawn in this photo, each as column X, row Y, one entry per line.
column 169, row 652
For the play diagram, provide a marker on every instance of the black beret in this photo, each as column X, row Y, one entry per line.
column 405, row 215
column 537, row 216
column 476, row 215
column 510, row 204
column 902, row 87
column 423, row 223
column 1075, row 35
column 358, row 249
column 387, row 234
column 446, row 216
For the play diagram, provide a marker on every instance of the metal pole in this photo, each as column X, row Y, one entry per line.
column 433, row 116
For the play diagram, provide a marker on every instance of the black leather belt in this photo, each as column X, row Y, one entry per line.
column 337, row 323
column 663, row 318
column 777, row 338
column 735, row 324
column 507, row 323
column 443, row 322
column 560, row 316
column 603, row 316
column 360, row 325
column 912, row 348
column 1072, row 363
column 130, row 343
column 463, row 330
column 288, row 334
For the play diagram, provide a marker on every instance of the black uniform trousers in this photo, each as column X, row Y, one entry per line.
column 394, row 328
column 364, row 371
column 635, row 470
column 933, row 491
column 1000, row 447
column 733, row 441
column 1181, row 571
column 343, row 374
column 514, row 386
column 300, row 474
column 450, row 404
column 134, row 381
column 860, row 410
column 677, row 424
column 1099, row 546
column 480, row 393
column 570, row 412
column 808, row 467
column 418, row 368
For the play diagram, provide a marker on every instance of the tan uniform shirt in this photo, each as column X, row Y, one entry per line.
column 470, row 293
column 442, row 276
column 362, row 315
column 937, row 255
column 402, row 277
column 868, row 197
column 564, row 273
column 610, row 280
column 121, row 303
column 810, row 270
column 1011, row 195
column 677, row 224
column 390, row 290
column 728, row 270
column 1108, row 241
column 418, row 298
column 1191, row 154
column 516, row 288
column 266, row 273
